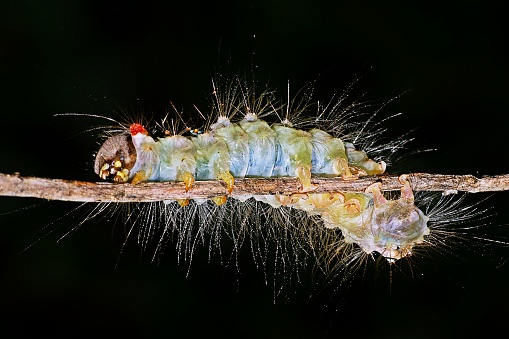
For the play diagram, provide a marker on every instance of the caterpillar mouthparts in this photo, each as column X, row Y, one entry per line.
column 253, row 148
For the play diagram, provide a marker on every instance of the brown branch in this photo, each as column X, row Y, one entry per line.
column 71, row 190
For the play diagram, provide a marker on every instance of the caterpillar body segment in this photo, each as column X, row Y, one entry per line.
column 253, row 148
column 178, row 162
column 328, row 154
column 361, row 162
column 212, row 159
column 293, row 158
column 237, row 143
column 262, row 145
column 148, row 159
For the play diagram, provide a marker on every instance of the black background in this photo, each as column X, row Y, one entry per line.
column 89, row 56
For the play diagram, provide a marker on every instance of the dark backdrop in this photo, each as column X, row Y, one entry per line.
column 90, row 56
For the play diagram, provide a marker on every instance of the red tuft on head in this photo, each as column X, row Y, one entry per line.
column 137, row 128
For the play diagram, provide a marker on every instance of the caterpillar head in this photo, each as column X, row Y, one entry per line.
column 115, row 158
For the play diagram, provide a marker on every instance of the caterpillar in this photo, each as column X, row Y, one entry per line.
column 336, row 231
column 249, row 147
column 450, row 59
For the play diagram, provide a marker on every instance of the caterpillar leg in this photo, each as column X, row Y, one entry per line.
column 183, row 202
column 188, row 179
column 219, row 200
column 407, row 195
column 140, row 176
column 304, row 174
column 406, row 190
column 348, row 172
column 228, row 179
column 289, row 200
column 340, row 166
column 353, row 206
column 360, row 160
column 324, row 200
column 378, row 197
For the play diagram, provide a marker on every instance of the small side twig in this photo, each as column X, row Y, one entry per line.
column 71, row 190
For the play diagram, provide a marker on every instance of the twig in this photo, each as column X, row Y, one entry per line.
column 71, row 190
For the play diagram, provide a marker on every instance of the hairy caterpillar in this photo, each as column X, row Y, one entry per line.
column 450, row 58
column 338, row 229
column 248, row 147
column 290, row 226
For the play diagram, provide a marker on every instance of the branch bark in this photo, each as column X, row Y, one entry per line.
column 71, row 190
